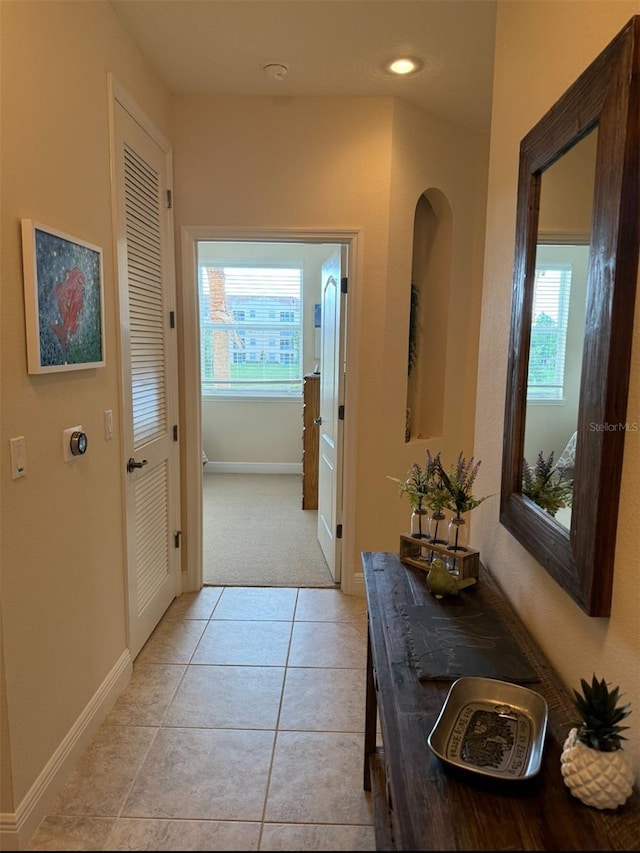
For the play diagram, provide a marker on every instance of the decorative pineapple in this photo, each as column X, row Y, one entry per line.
column 594, row 766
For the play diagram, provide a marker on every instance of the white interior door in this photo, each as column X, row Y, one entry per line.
column 331, row 400
column 146, row 288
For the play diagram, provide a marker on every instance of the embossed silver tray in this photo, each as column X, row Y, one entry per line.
column 491, row 727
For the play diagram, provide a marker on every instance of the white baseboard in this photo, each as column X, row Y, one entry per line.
column 253, row 468
column 17, row 828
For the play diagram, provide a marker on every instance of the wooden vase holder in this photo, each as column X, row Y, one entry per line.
column 467, row 562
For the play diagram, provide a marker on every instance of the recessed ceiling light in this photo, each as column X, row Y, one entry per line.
column 404, row 65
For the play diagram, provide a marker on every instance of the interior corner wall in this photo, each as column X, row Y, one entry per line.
column 431, row 155
column 61, row 549
column 533, row 68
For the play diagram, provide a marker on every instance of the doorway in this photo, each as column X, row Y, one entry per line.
column 247, row 354
column 260, row 338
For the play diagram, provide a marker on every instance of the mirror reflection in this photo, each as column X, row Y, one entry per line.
column 566, row 204
column 557, row 329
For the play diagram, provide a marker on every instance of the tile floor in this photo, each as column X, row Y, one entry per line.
column 241, row 729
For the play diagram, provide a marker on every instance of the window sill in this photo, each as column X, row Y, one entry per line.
column 210, row 398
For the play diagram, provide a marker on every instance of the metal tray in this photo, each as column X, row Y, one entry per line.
column 494, row 728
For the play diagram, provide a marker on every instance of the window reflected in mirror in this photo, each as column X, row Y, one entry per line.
column 557, row 329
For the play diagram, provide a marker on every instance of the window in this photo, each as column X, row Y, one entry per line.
column 251, row 330
column 550, row 317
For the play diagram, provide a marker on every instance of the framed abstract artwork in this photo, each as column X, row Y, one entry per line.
column 64, row 300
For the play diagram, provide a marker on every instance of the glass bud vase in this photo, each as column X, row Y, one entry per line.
column 437, row 531
column 457, row 541
column 457, row 535
column 420, row 523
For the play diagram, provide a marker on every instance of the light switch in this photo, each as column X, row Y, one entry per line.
column 108, row 425
column 18, row 457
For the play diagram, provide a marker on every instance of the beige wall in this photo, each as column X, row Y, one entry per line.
column 63, row 610
column 249, row 435
column 541, row 48
column 349, row 163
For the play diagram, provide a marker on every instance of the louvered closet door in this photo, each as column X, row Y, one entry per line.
column 148, row 349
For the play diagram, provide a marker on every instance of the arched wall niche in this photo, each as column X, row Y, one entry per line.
column 428, row 328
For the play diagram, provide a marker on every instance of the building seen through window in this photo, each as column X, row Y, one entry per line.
column 250, row 330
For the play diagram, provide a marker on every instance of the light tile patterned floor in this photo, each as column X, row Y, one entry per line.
column 241, row 729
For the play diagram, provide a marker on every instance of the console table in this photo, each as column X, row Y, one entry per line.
column 420, row 803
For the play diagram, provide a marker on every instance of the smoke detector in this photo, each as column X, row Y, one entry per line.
column 275, row 70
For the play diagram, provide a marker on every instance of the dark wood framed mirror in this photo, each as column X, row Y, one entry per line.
column 600, row 112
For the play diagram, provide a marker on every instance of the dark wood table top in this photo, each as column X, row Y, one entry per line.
column 438, row 807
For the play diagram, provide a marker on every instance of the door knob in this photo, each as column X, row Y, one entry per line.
column 317, row 421
column 131, row 464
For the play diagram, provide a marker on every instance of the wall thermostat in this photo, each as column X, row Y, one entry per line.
column 74, row 443
column 78, row 443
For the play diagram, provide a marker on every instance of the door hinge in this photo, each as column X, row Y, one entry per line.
column 176, row 538
column 172, row 319
column 175, row 432
column 340, row 413
column 344, row 284
column 169, row 199
column 339, row 531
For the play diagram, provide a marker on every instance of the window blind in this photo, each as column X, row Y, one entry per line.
column 250, row 330
column 549, row 322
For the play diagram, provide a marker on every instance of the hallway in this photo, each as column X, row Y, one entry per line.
column 241, row 729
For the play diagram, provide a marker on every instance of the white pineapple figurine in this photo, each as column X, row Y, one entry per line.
column 593, row 764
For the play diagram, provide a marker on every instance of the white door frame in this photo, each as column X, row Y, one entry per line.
column 191, row 414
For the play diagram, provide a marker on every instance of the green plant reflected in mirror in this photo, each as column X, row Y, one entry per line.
column 595, row 121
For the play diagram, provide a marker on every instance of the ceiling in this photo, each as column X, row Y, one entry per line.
column 331, row 47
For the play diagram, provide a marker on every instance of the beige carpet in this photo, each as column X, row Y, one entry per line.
column 255, row 532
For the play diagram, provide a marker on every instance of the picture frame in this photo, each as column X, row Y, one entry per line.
column 64, row 300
